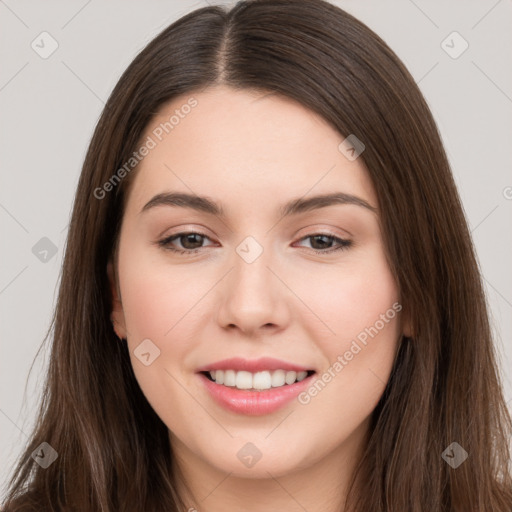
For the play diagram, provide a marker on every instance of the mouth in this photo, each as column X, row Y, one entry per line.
column 254, row 387
column 256, row 381
column 255, row 394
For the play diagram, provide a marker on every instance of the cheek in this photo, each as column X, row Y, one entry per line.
column 158, row 298
column 158, row 305
column 152, row 307
column 348, row 298
column 361, row 305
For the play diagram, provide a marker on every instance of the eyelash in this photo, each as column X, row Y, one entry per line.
column 165, row 243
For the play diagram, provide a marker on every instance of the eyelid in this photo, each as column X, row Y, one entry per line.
column 318, row 229
column 342, row 243
column 185, row 228
column 165, row 241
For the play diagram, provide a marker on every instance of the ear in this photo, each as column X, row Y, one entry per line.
column 117, row 313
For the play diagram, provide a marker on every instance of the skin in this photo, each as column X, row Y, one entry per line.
column 252, row 152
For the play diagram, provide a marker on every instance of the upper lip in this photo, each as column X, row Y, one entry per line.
column 253, row 365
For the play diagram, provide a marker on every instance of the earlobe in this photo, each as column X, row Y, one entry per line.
column 117, row 313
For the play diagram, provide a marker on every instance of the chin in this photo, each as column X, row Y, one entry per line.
column 269, row 465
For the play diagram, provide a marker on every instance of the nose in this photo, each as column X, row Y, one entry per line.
column 253, row 297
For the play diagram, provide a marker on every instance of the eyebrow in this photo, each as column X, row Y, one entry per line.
column 294, row 207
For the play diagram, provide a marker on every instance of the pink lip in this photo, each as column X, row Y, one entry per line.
column 256, row 365
column 254, row 403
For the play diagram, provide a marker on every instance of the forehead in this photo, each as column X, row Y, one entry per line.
column 242, row 146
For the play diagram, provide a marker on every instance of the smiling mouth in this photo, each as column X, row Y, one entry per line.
column 257, row 381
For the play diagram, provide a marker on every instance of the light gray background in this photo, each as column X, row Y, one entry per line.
column 49, row 108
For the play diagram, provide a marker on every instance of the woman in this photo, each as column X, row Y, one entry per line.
column 261, row 369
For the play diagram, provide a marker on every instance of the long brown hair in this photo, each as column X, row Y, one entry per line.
column 113, row 450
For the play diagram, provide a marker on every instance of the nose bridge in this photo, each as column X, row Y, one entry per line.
column 251, row 297
column 251, row 261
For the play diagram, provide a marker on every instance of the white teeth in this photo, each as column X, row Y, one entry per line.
column 259, row 380
column 301, row 376
column 291, row 377
column 243, row 380
column 229, row 378
column 278, row 378
column 262, row 380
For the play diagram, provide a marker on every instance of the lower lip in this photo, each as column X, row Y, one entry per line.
column 254, row 403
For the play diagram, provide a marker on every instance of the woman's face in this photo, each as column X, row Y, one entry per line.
column 250, row 285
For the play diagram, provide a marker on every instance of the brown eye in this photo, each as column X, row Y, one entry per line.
column 190, row 242
column 322, row 243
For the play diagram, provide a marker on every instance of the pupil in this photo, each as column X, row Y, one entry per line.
column 190, row 238
column 316, row 237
